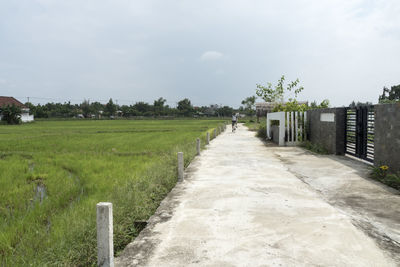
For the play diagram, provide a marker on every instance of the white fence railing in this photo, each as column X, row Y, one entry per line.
column 291, row 127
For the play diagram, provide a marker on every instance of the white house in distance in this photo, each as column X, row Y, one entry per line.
column 8, row 100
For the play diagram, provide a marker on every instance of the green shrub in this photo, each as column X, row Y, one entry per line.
column 262, row 131
column 383, row 175
column 11, row 114
column 316, row 148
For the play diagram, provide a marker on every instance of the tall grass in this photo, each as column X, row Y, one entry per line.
column 52, row 174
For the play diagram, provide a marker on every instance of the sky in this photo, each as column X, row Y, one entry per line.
column 210, row 51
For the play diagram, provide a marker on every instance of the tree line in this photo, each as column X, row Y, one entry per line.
column 159, row 108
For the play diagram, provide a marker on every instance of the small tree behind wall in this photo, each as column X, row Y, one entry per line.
column 277, row 94
column 393, row 95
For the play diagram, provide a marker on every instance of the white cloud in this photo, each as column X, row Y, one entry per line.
column 211, row 56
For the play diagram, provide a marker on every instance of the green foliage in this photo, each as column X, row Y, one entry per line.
column 383, row 175
column 79, row 163
column 11, row 114
column 249, row 105
column 323, row 104
column 139, row 109
column 277, row 93
column 316, row 148
column 353, row 104
column 225, row 111
column 185, row 107
column 110, row 108
column 86, row 108
column 290, row 106
column 260, row 128
column 262, row 131
column 393, row 95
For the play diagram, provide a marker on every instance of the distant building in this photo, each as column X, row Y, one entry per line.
column 8, row 100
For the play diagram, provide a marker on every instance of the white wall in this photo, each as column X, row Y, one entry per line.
column 25, row 117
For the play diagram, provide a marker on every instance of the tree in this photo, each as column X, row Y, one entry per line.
column 11, row 114
column 97, row 107
column 86, row 108
column 143, row 108
column 225, row 111
column 277, row 94
column 359, row 104
column 249, row 105
column 323, row 104
column 185, row 107
column 160, row 102
column 110, row 108
column 393, row 94
column 159, row 106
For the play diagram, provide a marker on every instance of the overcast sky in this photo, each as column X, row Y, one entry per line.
column 210, row 51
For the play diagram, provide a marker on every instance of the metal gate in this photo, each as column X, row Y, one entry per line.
column 360, row 132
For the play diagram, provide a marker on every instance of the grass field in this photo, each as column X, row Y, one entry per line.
column 52, row 174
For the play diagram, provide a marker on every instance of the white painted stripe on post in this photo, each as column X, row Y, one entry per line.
column 105, row 245
column 287, row 126
column 305, row 126
column 296, row 123
column 292, row 125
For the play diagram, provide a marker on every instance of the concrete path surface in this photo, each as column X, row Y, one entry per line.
column 241, row 205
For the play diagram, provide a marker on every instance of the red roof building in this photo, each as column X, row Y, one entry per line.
column 8, row 100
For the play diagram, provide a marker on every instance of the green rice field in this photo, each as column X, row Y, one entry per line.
column 52, row 174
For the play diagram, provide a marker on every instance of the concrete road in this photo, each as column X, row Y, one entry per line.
column 241, row 205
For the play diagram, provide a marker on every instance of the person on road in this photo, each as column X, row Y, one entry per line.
column 234, row 121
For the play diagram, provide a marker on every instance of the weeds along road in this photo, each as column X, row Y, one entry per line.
column 241, row 205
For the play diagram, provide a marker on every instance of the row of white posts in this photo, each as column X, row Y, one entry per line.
column 291, row 126
column 105, row 244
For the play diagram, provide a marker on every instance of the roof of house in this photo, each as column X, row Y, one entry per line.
column 8, row 100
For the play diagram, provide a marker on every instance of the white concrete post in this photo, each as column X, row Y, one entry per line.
column 105, row 245
column 296, row 127
column 215, row 133
column 292, row 124
column 305, row 126
column 268, row 128
column 208, row 138
column 180, row 166
column 198, row 146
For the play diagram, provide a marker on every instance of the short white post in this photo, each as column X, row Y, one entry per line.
column 180, row 166
column 198, row 146
column 208, row 138
column 215, row 133
column 105, row 245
